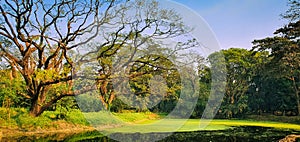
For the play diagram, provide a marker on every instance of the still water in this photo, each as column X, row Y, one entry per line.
column 235, row 134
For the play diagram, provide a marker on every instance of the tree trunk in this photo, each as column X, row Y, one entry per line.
column 107, row 103
column 106, row 89
column 296, row 95
column 298, row 106
column 37, row 103
column 35, row 109
column 103, row 102
column 111, row 98
column 298, row 102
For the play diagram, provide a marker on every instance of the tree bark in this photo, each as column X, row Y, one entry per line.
column 296, row 95
column 35, row 109
column 103, row 102
column 37, row 103
column 298, row 102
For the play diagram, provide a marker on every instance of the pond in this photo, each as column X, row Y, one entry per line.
column 234, row 134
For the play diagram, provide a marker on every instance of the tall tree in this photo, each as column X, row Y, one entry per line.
column 40, row 38
column 238, row 67
column 142, row 69
column 258, row 100
column 284, row 50
column 141, row 50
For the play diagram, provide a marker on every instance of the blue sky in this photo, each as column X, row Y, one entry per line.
column 236, row 23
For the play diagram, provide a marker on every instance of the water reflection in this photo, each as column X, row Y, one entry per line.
column 236, row 134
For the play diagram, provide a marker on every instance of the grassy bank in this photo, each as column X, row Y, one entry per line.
column 17, row 122
column 271, row 117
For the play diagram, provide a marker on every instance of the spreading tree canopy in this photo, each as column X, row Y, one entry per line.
column 63, row 43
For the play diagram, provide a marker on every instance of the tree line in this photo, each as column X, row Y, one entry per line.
column 99, row 55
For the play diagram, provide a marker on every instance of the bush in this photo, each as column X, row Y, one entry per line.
column 133, row 117
column 76, row 117
column 28, row 122
column 19, row 117
column 89, row 103
column 101, row 118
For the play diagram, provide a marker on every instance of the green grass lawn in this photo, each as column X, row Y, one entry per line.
column 147, row 122
column 178, row 125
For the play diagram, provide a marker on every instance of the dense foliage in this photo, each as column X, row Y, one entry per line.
column 37, row 75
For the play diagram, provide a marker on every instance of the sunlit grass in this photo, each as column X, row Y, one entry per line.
column 150, row 122
column 140, row 117
column 101, row 118
column 178, row 125
column 256, row 123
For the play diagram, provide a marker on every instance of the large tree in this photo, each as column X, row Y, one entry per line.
column 36, row 38
column 50, row 43
column 284, row 50
column 238, row 65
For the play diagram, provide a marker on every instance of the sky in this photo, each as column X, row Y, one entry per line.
column 236, row 23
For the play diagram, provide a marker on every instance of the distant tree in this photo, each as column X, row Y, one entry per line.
column 238, row 67
column 89, row 102
column 258, row 99
column 205, row 81
column 217, row 77
column 160, row 80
